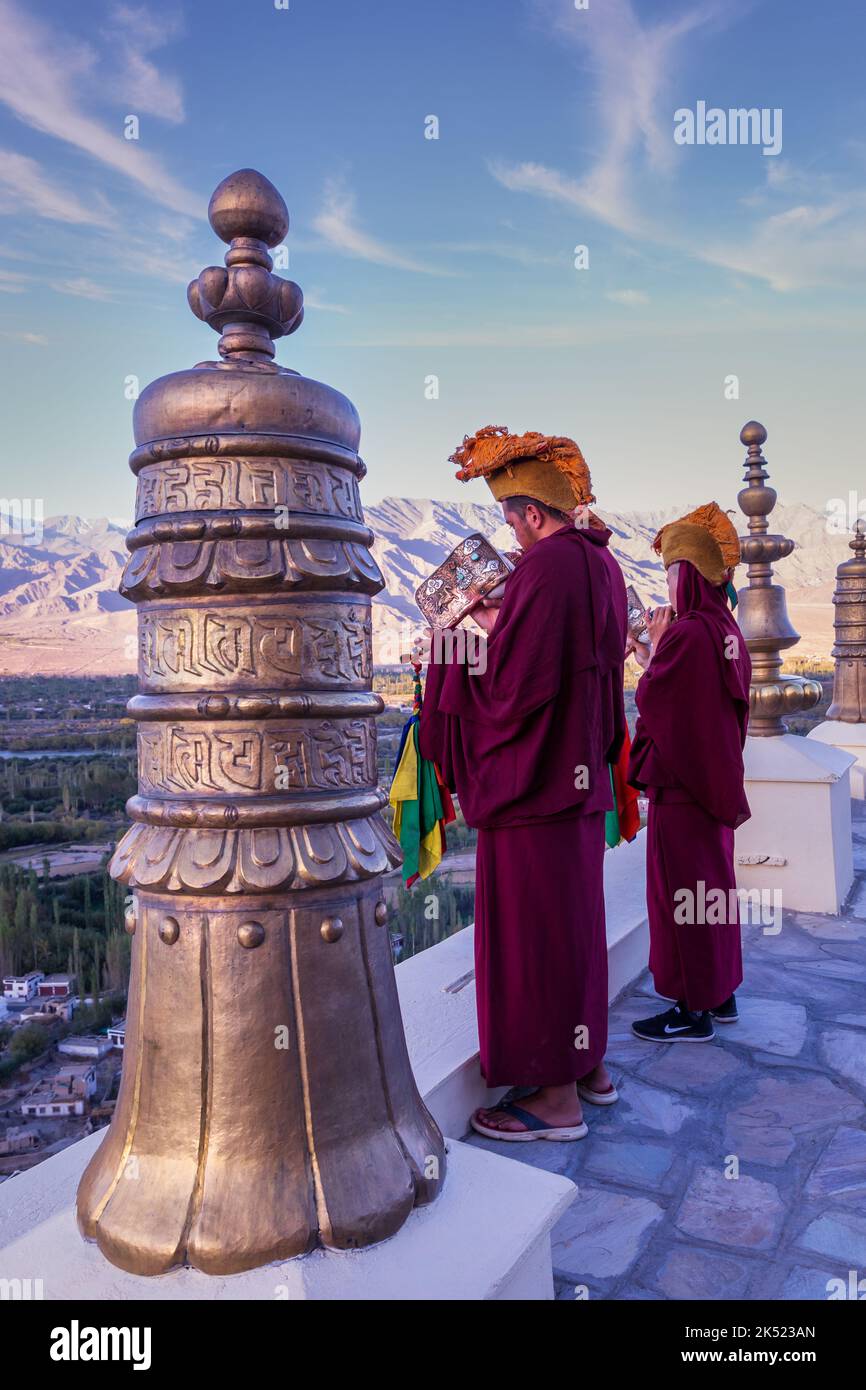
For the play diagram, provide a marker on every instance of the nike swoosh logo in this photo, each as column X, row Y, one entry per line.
column 683, row 1028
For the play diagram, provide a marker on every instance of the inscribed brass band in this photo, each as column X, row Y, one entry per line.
column 308, row 642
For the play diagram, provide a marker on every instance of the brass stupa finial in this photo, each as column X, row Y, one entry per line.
column 762, row 611
column 849, row 650
column 246, row 303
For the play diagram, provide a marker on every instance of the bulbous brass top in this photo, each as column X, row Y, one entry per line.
column 753, row 433
column 246, row 204
column 244, row 302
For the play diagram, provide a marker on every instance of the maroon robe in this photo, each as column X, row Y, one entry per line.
column 693, row 706
column 512, row 742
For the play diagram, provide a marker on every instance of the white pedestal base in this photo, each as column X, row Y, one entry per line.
column 851, row 738
column 486, row 1237
column 799, row 837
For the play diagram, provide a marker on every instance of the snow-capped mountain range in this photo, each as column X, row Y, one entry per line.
column 60, row 611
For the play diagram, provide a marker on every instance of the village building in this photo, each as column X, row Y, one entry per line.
column 49, row 1011
column 87, row 1045
column 20, row 1139
column 49, row 1106
column 67, row 1093
column 56, row 986
column 76, row 1078
column 22, row 986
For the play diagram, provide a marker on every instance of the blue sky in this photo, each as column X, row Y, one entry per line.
column 451, row 257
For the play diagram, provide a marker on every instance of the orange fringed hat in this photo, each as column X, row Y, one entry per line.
column 547, row 467
column 706, row 537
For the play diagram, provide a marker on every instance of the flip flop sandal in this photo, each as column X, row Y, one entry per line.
column 535, row 1128
column 608, row 1097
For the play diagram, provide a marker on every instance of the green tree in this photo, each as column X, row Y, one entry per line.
column 28, row 1041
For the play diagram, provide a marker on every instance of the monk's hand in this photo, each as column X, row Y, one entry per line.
column 639, row 650
column 658, row 622
column 421, row 647
column 485, row 614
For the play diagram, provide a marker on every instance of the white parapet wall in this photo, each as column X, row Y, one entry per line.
column 626, row 913
column 851, row 738
column 437, row 993
column 798, row 839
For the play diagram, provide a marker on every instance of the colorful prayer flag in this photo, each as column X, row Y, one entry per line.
column 623, row 822
column 422, row 804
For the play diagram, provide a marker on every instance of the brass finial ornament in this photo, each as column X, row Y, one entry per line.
column 267, row 1105
column 849, row 651
column 762, row 610
column 246, row 303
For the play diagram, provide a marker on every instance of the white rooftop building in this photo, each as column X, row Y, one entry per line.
column 87, row 1045
column 55, row 986
column 22, row 986
column 51, row 1106
column 76, row 1078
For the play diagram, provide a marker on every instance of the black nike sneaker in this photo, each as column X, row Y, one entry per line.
column 676, row 1025
column 727, row 1012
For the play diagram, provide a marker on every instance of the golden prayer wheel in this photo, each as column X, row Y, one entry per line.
column 762, row 611
column 849, row 651
column 267, row 1104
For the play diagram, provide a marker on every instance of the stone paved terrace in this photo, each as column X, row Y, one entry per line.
column 784, row 1090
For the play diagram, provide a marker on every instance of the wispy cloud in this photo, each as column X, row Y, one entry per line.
column 31, row 339
column 819, row 239
column 631, row 64
column 500, row 250
column 337, row 224
column 156, row 260
column 588, row 195
column 805, row 246
column 783, row 179
column 176, row 229
column 40, row 76
column 485, row 335
column 12, row 283
column 14, row 253
column 24, row 185
column 630, row 298
column 135, row 34
column 314, row 299
column 82, row 288
column 586, row 332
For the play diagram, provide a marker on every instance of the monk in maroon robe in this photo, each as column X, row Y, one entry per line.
column 693, row 705
column 526, row 746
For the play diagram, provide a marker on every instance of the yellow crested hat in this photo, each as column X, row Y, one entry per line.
column 707, row 538
column 548, row 468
